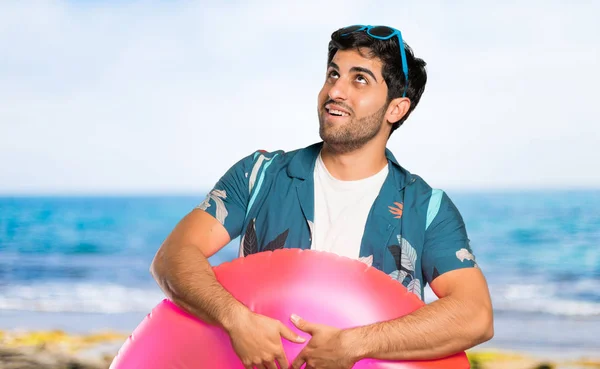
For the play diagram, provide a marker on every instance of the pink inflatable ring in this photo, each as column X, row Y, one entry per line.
column 320, row 287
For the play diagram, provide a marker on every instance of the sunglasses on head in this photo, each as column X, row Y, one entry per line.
column 381, row 33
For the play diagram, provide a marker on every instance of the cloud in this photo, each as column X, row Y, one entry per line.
column 165, row 96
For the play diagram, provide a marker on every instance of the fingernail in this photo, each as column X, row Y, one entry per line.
column 295, row 318
column 300, row 339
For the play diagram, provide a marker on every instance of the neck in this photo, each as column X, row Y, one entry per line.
column 357, row 164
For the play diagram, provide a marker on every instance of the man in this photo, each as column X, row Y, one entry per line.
column 346, row 195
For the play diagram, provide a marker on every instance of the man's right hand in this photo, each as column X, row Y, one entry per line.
column 182, row 270
column 256, row 340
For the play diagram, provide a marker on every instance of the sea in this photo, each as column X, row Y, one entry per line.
column 81, row 263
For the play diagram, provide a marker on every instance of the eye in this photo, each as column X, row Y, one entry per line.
column 361, row 79
column 332, row 74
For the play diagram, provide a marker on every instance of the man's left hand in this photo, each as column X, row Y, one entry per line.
column 327, row 349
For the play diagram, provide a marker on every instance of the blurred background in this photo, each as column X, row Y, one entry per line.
column 117, row 117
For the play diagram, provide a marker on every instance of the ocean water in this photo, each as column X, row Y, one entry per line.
column 86, row 260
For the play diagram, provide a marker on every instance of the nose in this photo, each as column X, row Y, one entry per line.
column 339, row 90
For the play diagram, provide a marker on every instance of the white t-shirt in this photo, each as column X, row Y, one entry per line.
column 341, row 210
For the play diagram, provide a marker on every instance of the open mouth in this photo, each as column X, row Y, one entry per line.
column 337, row 112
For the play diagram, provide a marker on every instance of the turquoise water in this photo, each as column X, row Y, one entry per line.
column 540, row 252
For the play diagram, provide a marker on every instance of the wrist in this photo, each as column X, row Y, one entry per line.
column 235, row 318
column 356, row 344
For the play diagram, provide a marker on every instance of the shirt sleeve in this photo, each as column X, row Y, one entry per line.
column 228, row 199
column 446, row 245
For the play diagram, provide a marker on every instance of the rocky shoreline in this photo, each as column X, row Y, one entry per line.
column 60, row 350
column 33, row 358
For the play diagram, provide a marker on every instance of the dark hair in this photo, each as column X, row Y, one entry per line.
column 389, row 53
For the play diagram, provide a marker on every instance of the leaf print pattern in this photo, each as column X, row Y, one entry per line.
column 397, row 211
column 249, row 241
column 399, row 275
column 396, row 252
column 415, row 287
column 254, row 172
column 464, row 254
column 217, row 196
column 409, row 255
column 367, row 260
column 278, row 242
column 405, row 257
column 436, row 273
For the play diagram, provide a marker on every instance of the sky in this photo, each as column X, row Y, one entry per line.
column 139, row 97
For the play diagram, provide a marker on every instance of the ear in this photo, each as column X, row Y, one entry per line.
column 397, row 109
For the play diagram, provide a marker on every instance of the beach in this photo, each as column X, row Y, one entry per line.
column 74, row 280
column 59, row 349
column 90, row 341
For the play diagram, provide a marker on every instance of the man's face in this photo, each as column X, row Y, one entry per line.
column 353, row 101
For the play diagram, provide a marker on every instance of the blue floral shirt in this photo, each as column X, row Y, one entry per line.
column 413, row 233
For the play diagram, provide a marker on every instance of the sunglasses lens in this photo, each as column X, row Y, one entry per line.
column 381, row 31
column 349, row 29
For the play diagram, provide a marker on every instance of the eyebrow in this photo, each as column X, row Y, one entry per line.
column 355, row 69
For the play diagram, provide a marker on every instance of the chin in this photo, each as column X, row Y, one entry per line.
column 338, row 144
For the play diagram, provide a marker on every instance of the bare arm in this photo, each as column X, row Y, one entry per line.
column 460, row 319
column 182, row 270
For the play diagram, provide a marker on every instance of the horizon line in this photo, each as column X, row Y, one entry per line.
column 202, row 193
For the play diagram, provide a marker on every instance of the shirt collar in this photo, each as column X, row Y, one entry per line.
column 302, row 165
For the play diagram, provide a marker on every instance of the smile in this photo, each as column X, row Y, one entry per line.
column 336, row 112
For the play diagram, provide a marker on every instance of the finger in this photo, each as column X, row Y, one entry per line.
column 298, row 361
column 282, row 361
column 302, row 324
column 270, row 365
column 290, row 335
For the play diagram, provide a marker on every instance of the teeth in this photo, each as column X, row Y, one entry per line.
column 338, row 112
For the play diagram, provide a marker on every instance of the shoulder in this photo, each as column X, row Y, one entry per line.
column 433, row 202
column 418, row 187
column 280, row 154
column 258, row 156
column 413, row 183
column 297, row 162
column 429, row 194
column 276, row 158
column 438, row 206
column 260, row 164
